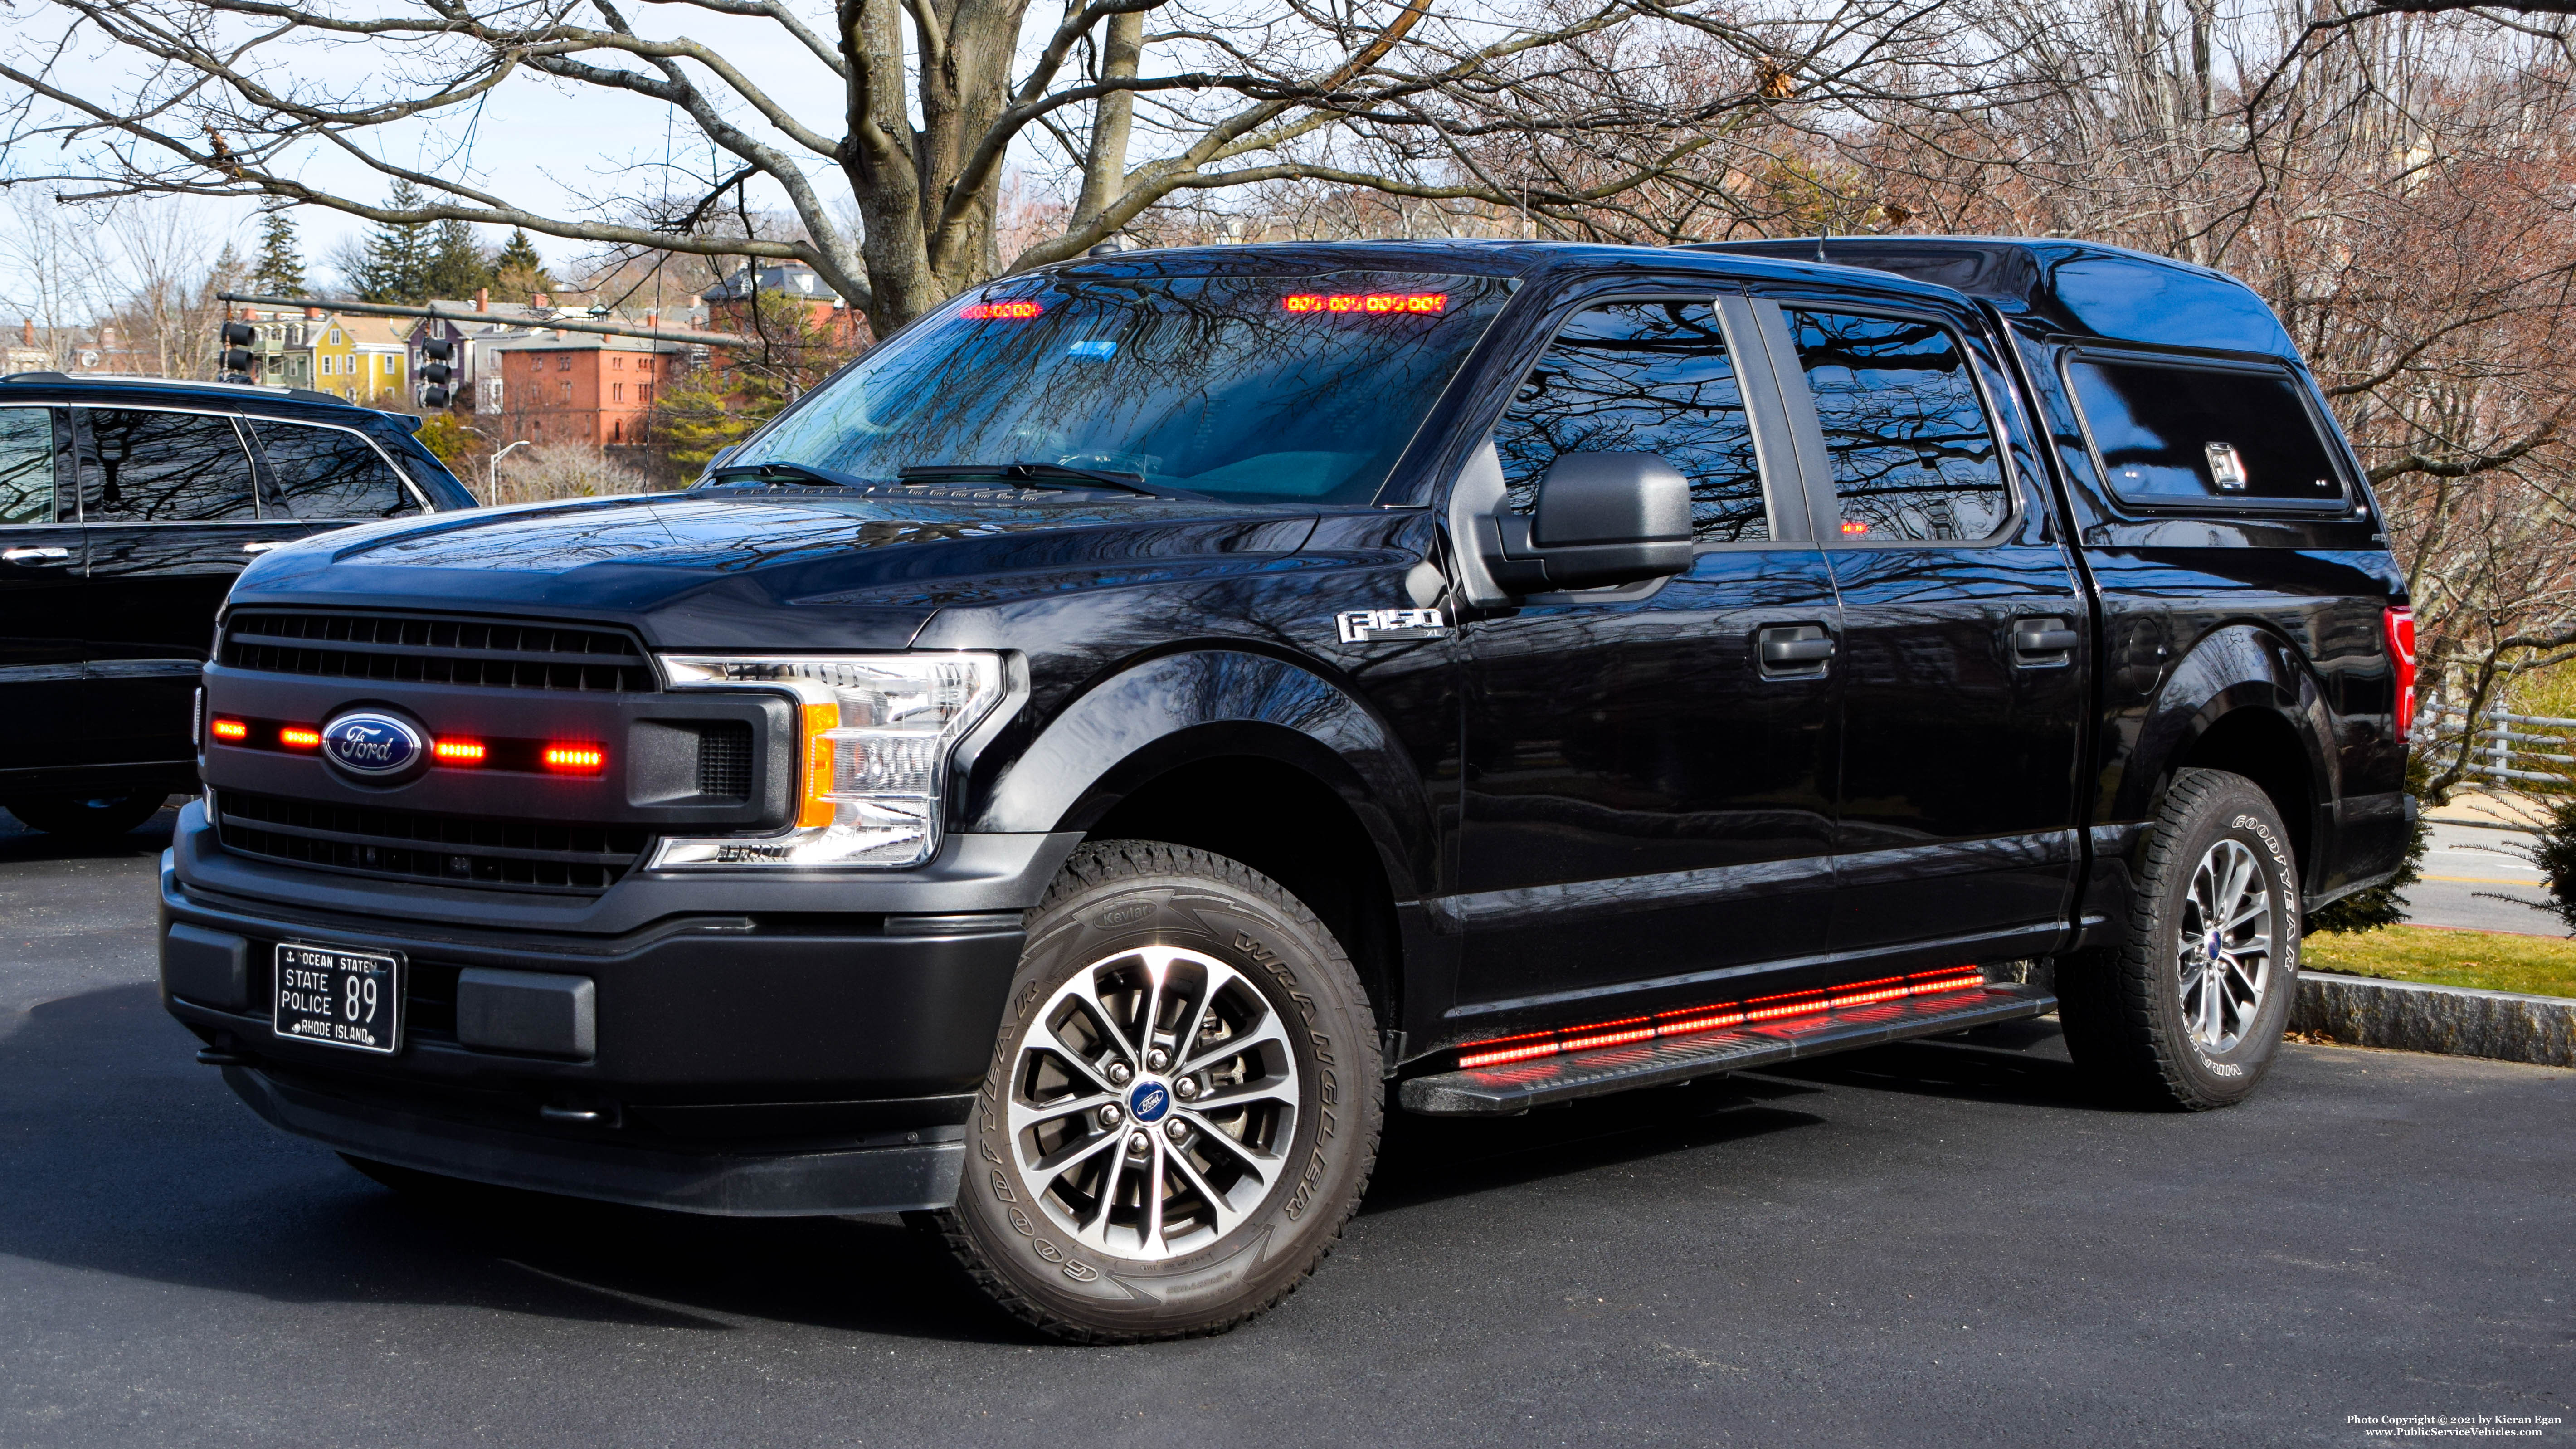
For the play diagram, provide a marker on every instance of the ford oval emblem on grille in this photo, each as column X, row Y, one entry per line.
column 373, row 745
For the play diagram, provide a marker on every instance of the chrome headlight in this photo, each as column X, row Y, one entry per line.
column 875, row 733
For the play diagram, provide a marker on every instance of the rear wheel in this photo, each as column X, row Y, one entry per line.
column 2188, row 1011
column 88, row 817
column 1182, row 1107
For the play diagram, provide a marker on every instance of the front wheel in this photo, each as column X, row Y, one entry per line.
column 2188, row 1011
column 1182, row 1108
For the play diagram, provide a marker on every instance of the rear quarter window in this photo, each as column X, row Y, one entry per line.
column 2177, row 434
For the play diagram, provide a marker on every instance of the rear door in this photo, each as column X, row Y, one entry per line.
column 169, row 501
column 40, row 584
column 1964, row 649
column 1648, row 804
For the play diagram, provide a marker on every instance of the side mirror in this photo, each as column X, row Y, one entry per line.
column 1603, row 519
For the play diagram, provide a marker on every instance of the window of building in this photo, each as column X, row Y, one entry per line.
column 563, row 363
column 567, row 392
column 142, row 466
column 1913, row 456
column 617, row 362
column 617, row 432
column 644, row 393
column 617, row 391
column 1643, row 377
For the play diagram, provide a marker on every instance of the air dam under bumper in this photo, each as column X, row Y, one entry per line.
column 897, row 1178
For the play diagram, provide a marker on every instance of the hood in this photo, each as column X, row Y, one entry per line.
column 769, row 566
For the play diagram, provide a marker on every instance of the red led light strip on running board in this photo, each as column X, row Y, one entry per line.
column 1502, row 1051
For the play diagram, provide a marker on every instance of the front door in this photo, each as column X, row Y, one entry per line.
column 40, row 582
column 1648, row 802
column 1963, row 653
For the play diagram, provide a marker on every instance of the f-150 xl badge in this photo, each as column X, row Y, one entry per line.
column 1365, row 626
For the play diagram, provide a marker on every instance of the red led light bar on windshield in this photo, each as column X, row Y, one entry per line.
column 1417, row 302
column 1001, row 311
column 1502, row 1051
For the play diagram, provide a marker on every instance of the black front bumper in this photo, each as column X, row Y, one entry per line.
column 805, row 1056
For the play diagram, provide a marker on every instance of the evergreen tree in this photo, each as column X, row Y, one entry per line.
column 519, row 271
column 396, row 268
column 279, row 269
column 456, row 266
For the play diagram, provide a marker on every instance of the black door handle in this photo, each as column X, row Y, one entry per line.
column 1795, row 649
column 2043, row 636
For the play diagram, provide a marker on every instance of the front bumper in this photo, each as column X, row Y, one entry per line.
column 807, row 1051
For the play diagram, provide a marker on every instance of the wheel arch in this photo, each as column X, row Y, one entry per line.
column 1251, row 757
column 2243, row 700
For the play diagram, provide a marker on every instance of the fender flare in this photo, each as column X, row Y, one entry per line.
column 2232, row 668
column 1176, row 709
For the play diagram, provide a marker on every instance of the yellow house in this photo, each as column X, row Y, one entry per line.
column 359, row 358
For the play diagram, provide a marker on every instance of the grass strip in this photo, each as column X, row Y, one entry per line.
column 2489, row 960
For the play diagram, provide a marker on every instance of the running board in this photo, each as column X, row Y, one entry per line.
column 1519, row 1086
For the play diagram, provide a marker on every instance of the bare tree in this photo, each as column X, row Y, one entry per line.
column 1550, row 108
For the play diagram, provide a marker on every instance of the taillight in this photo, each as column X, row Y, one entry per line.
column 2399, row 625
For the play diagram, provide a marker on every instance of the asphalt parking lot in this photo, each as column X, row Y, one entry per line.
column 1930, row 1244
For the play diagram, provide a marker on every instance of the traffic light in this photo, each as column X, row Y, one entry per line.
column 237, row 338
column 436, row 373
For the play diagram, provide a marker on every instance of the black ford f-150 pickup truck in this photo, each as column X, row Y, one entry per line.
column 1072, row 773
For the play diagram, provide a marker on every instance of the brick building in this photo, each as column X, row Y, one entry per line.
column 579, row 388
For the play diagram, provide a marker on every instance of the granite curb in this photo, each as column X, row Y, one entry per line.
column 2453, row 1020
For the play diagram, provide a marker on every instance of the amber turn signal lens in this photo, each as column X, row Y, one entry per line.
column 817, row 807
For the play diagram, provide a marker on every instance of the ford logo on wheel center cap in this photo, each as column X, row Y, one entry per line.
column 373, row 745
column 1149, row 1101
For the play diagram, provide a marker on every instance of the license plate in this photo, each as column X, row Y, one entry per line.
column 340, row 998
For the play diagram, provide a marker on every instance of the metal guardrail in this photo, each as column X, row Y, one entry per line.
column 2503, row 743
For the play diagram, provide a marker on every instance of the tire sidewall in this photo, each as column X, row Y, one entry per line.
column 2238, row 812
column 1303, row 974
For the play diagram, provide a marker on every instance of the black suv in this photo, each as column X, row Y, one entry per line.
column 127, row 505
column 1072, row 773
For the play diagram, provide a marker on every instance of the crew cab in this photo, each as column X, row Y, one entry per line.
column 1073, row 773
column 127, row 505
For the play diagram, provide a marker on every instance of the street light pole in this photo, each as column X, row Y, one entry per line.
column 492, row 469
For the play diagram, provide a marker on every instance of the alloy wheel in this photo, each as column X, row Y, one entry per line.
column 2224, row 952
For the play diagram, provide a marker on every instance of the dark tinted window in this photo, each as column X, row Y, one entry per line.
column 326, row 473
column 141, row 466
column 1642, row 377
column 2202, row 434
column 1267, row 388
column 26, row 465
column 1913, row 456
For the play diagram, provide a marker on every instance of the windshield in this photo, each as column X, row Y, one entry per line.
column 1264, row 389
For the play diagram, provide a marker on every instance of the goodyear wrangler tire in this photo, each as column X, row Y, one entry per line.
column 2188, row 1011
column 1183, row 1104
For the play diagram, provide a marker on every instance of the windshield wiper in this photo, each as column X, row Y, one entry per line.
column 775, row 471
column 1047, row 472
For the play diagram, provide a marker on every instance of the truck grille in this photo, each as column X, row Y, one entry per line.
column 724, row 759
column 421, row 845
column 415, row 648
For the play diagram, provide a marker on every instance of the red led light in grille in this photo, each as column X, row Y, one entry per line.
column 1001, row 311
column 575, row 759
column 228, row 729
column 1419, row 303
column 1502, row 1051
column 299, row 737
column 459, row 752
